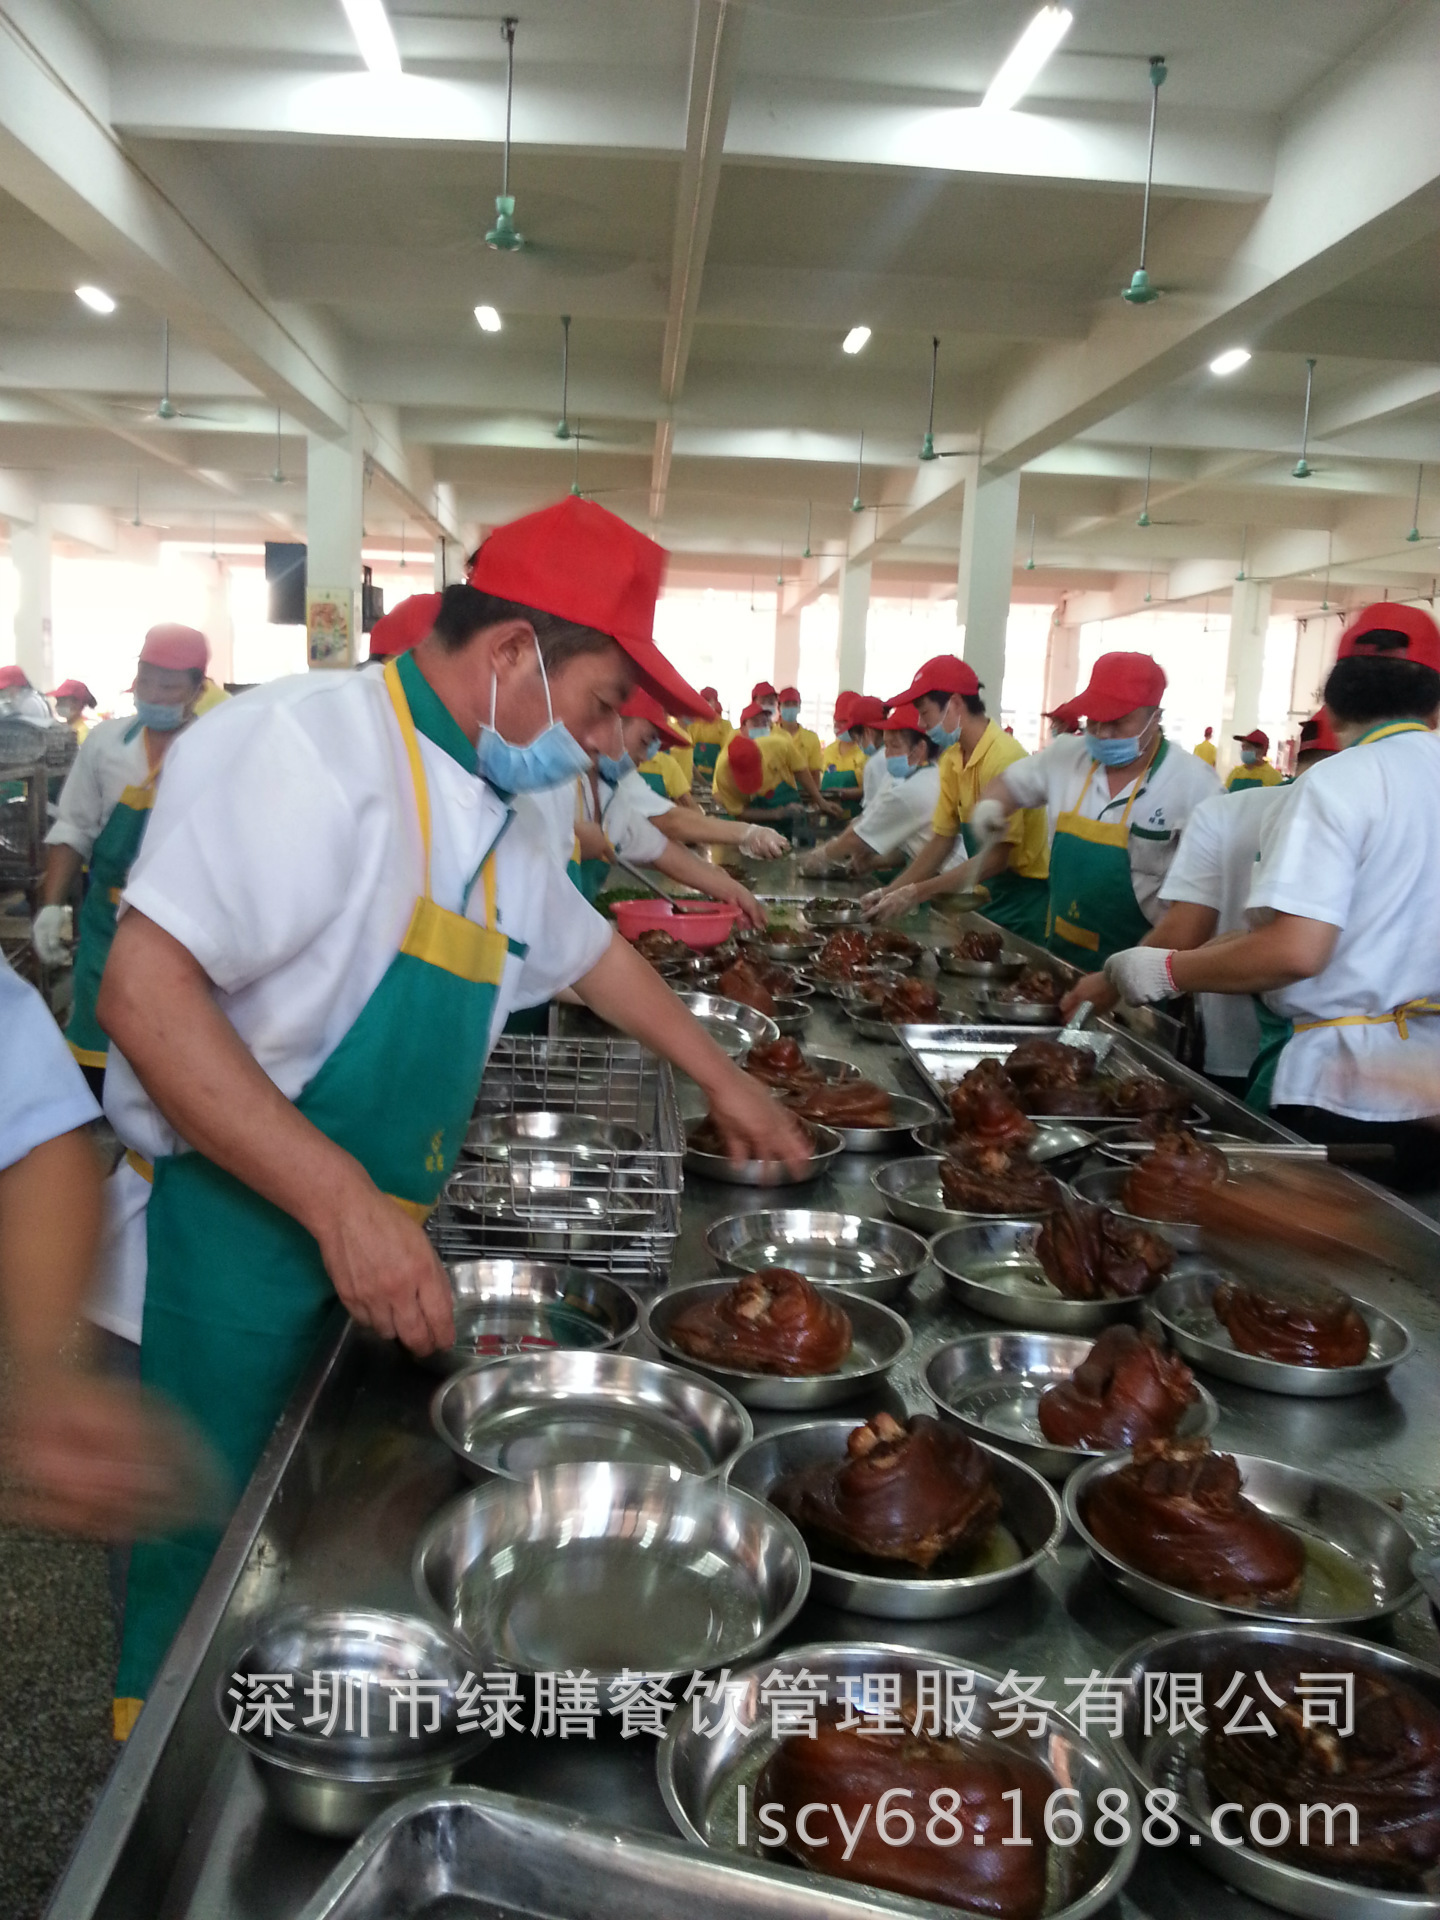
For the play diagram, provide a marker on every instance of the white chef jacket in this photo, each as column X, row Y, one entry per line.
column 284, row 852
column 901, row 813
column 1215, row 867
column 1358, row 846
column 42, row 1092
column 641, row 797
column 874, row 780
column 111, row 758
column 1064, row 777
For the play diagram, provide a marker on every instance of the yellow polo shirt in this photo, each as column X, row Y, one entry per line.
column 1262, row 774
column 670, row 772
column 811, row 751
column 709, row 733
column 962, row 782
column 684, row 757
column 843, row 756
column 1205, row 751
column 780, row 763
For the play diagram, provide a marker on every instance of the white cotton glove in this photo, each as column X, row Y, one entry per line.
column 1141, row 975
column 47, row 937
column 988, row 821
column 764, row 843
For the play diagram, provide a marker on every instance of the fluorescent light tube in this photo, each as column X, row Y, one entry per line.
column 855, row 339
column 96, row 299
column 374, row 36
column 1025, row 59
column 489, row 319
column 1230, row 361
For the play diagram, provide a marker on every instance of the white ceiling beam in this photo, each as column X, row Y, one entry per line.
column 906, row 500
column 713, row 61
column 818, row 575
column 1343, row 202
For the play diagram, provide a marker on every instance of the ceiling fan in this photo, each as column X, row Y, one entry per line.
column 1140, row 292
column 1302, row 469
column 166, row 409
column 565, row 429
column 927, row 445
column 277, row 476
column 1144, row 519
column 154, row 526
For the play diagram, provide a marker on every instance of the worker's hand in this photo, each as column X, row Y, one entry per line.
column 755, row 914
column 894, row 901
column 988, row 821
column 385, row 1270
column 47, row 937
column 816, row 860
column 764, row 843
column 833, row 808
column 754, row 1126
column 1096, row 989
column 87, row 1455
column 1141, row 975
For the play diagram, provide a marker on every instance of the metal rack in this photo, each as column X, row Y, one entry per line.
column 608, row 1208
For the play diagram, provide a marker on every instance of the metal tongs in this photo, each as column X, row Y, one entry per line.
column 678, row 906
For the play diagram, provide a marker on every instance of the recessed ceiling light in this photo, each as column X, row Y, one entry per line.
column 374, row 35
column 1025, row 59
column 855, row 339
column 1230, row 361
column 96, row 299
column 489, row 319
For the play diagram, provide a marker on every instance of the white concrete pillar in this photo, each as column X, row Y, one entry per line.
column 786, row 670
column 987, row 565
column 30, row 550
column 854, row 612
column 1244, row 665
column 1062, row 664
column 219, row 628
column 334, row 518
column 1316, row 644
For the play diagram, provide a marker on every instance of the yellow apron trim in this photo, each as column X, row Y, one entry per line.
column 1105, row 833
column 1399, row 1016
column 1395, row 726
column 1077, row 936
column 140, row 799
column 87, row 1056
column 137, row 1165
column 123, row 1715
column 417, row 765
column 454, row 943
column 416, row 1209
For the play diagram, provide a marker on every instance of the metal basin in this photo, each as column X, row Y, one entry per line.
column 731, row 1026
column 912, row 1192
column 336, row 1775
column 1005, row 968
column 1030, row 1526
column 519, row 1415
column 869, row 1257
column 511, row 1306
column 612, row 1567
column 991, row 1265
column 828, row 1146
column 792, row 1011
column 1051, row 1143
column 1104, row 1186
column 527, row 1136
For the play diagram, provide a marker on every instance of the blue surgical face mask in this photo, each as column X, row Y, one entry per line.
column 614, row 770
column 1249, row 755
column 789, row 713
column 549, row 760
column 758, row 731
column 1116, row 753
column 942, row 736
column 870, row 748
column 898, row 766
column 158, row 717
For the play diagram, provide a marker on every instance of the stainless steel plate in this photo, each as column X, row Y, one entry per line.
column 612, row 1567
column 1173, row 1761
column 509, row 1306
column 1005, row 968
column 730, row 1025
column 991, row 1384
column 539, row 1137
column 792, row 1012
column 701, row 1772
column 765, row 1173
column 870, row 1257
column 1053, row 1141
column 881, row 1339
column 829, row 919
column 991, row 1265
column 896, row 1135
column 1008, row 1011
column 1357, row 1553
column 1183, row 1306
column 870, row 1027
column 787, row 952
column 526, row 1412
column 1030, row 1526
column 1105, row 1186
column 912, row 1192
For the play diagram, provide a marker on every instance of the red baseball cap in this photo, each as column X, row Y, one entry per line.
column 1208, row 732
column 762, row 690
column 644, row 706
column 753, row 712
column 178, row 649
column 1255, row 738
column 710, row 694
column 844, row 705
column 582, row 563
column 868, row 711
column 1065, row 716
column 404, row 626
column 11, row 677
column 947, row 673
column 74, row 690
column 903, row 719
column 789, row 696
column 1386, row 630
column 747, row 769
column 1317, row 735
column 1120, row 682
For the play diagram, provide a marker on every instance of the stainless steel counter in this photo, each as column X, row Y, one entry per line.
column 353, row 1472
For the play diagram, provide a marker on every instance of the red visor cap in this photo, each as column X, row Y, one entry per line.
column 868, row 711
column 1255, row 738
column 1120, row 682
column 904, row 719
column 1317, row 735
column 582, row 563
column 644, row 706
column 178, row 649
column 947, row 673
column 747, row 769
column 11, row 678
column 1390, row 632
column 405, row 626
column 74, row 690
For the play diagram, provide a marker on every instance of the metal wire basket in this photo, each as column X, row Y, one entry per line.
column 597, row 1197
column 23, row 790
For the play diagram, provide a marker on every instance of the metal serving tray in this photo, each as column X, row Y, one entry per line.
column 850, row 1250
column 464, row 1854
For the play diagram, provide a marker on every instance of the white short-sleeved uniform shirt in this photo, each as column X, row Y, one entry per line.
column 641, row 797
column 629, row 831
column 284, row 852
column 902, row 812
column 111, row 758
column 1358, row 846
column 42, row 1092
column 1215, row 868
column 874, row 780
column 1064, row 777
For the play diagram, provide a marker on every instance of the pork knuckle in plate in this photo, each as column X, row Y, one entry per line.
column 768, row 1322
column 741, row 982
column 1090, row 1253
column 976, row 1177
column 781, row 1063
column 848, row 1103
column 1301, row 1323
column 1164, row 1184
column 980, row 947
column 983, row 1109
column 907, row 1494
column 1126, row 1389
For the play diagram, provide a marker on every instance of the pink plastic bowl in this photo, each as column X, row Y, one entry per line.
column 697, row 929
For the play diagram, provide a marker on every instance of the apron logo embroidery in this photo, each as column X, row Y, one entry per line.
column 435, row 1158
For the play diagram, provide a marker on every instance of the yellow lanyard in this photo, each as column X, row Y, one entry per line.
column 422, row 789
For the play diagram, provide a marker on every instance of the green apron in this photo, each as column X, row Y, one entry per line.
column 111, row 859
column 588, row 875
column 1021, row 904
column 655, row 781
column 839, row 780
column 237, row 1295
column 1093, row 910
column 785, row 795
column 1276, row 1032
column 1242, row 782
column 707, row 752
